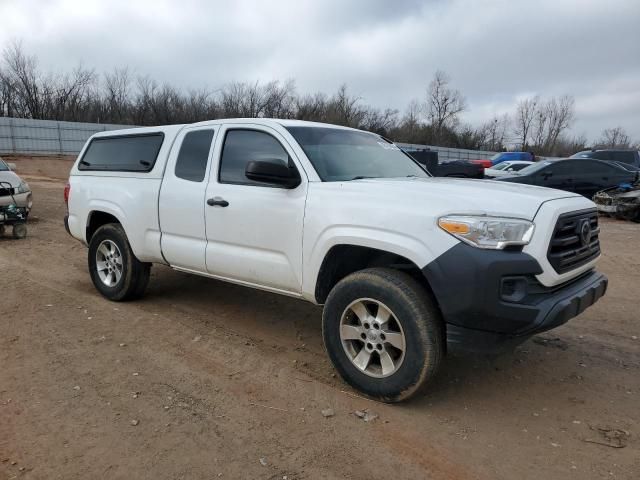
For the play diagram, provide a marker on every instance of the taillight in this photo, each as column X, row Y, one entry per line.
column 67, row 191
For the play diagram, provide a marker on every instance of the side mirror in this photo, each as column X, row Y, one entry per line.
column 12, row 166
column 273, row 172
column 510, row 169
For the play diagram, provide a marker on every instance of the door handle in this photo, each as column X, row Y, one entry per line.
column 217, row 202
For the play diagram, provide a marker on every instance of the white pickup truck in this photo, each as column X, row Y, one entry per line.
column 404, row 264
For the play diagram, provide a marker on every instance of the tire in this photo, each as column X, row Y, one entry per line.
column 412, row 313
column 2, row 229
column 115, row 271
column 19, row 230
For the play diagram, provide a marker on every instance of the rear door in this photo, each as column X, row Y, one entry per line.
column 558, row 175
column 591, row 176
column 254, row 230
column 182, row 199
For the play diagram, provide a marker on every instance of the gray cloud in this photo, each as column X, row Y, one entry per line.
column 386, row 51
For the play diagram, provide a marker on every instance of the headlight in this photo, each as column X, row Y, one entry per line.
column 488, row 232
column 22, row 188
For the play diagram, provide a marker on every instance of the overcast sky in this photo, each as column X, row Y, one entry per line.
column 386, row 51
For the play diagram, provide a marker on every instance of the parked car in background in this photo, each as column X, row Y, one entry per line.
column 504, row 157
column 453, row 168
column 512, row 156
column 19, row 188
column 629, row 159
column 506, row 168
column 483, row 162
column 621, row 202
column 585, row 177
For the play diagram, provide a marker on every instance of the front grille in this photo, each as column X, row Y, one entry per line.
column 575, row 240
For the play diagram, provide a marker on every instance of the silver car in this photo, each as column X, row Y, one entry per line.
column 20, row 189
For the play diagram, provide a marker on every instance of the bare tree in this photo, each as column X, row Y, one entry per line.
column 494, row 133
column 525, row 115
column 279, row 99
column 22, row 75
column 444, row 104
column 117, row 94
column 614, row 138
column 551, row 120
column 311, row 107
column 567, row 146
column 560, row 112
column 345, row 109
column 116, row 97
column 380, row 121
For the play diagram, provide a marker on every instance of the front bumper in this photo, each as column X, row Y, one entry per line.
column 491, row 299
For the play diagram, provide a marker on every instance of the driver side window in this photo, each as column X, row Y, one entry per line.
column 561, row 167
column 244, row 146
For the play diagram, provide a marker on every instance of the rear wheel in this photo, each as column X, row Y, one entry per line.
column 383, row 333
column 115, row 271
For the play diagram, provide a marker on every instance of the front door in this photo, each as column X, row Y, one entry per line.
column 254, row 230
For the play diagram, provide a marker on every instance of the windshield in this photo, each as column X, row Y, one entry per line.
column 588, row 154
column 501, row 166
column 339, row 155
column 3, row 166
column 534, row 167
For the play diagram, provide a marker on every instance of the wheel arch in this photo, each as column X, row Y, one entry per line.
column 96, row 219
column 345, row 258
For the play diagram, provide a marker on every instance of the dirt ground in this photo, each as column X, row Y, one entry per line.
column 202, row 379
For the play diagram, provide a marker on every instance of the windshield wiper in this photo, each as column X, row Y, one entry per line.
column 361, row 177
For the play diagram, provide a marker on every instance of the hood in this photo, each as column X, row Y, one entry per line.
column 12, row 178
column 449, row 195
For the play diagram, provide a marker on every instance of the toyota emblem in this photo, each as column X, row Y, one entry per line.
column 585, row 233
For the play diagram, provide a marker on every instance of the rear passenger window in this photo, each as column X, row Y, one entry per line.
column 623, row 157
column 562, row 167
column 244, row 146
column 193, row 156
column 131, row 153
column 589, row 167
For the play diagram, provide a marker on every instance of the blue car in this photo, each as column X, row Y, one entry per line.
column 508, row 156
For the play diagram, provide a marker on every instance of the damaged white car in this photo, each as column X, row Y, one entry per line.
column 10, row 183
column 621, row 202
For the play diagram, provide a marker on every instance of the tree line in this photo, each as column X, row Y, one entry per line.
column 121, row 97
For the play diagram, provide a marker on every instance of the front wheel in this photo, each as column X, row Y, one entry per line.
column 383, row 333
column 115, row 271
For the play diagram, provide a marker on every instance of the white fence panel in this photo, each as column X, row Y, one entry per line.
column 47, row 137
column 52, row 137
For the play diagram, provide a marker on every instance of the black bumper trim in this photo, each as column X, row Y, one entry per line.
column 468, row 285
